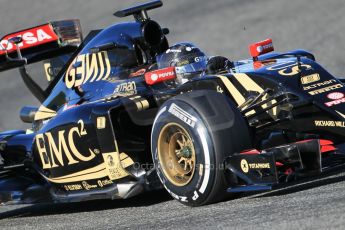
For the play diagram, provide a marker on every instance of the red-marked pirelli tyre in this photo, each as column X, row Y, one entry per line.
column 191, row 136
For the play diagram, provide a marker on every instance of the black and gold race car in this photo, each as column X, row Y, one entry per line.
column 113, row 124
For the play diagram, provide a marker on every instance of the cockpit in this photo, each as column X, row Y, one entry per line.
column 114, row 55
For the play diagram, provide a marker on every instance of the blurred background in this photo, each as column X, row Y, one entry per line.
column 219, row 27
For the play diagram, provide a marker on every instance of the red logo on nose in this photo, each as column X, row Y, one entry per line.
column 160, row 75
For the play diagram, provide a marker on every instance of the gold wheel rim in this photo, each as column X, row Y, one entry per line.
column 176, row 154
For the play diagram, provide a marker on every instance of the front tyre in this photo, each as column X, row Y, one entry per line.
column 192, row 135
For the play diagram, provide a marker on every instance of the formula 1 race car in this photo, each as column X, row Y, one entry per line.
column 113, row 125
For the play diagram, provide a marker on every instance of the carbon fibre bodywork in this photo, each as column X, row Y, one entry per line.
column 91, row 136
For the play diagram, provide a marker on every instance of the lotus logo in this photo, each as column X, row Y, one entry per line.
column 32, row 37
column 244, row 166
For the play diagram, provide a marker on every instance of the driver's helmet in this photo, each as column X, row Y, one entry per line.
column 189, row 61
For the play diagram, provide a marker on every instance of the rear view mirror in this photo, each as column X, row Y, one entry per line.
column 27, row 114
column 259, row 48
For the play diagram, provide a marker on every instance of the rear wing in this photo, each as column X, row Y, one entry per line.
column 39, row 43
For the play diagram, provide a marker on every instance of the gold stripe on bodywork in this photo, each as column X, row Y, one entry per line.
column 126, row 161
column 44, row 113
column 235, row 93
column 96, row 172
column 233, row 90
column 44, row 109
column 247, row 82
column 250, row 85
column 114, row 171
column 340, row 114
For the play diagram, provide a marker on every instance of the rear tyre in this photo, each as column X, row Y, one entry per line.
column 192, row 135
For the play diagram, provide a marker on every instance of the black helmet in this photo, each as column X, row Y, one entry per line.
column 188, row 59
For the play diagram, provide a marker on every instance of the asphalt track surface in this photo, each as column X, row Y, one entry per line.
column 220, row 27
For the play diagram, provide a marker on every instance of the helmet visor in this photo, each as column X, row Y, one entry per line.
column 197, row 65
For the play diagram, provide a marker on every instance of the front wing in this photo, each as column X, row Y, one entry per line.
column 266, row 170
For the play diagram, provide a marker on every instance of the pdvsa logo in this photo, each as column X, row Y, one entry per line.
column 32, row 37
column 336, row 97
